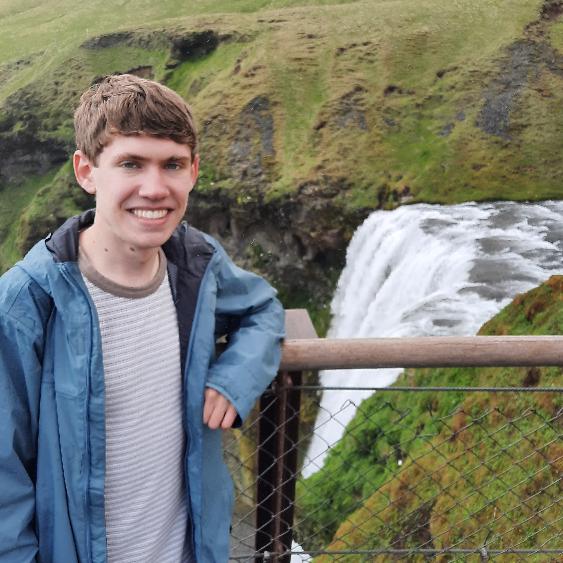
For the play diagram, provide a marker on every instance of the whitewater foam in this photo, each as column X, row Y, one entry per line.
column 428, row 270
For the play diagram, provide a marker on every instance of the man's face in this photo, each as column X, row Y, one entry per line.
column 141, row 185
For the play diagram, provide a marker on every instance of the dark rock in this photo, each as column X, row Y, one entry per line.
column 142, row 72
column 443, row 71
column 551, row 10
column 532, row 377
column 272, row 21
column 392, row 89
column 141, row 39
column 24, row 148
column 320, row 125
column 24, row 156
column 554, row 62
column 446, row 130
column 523, row 59
column 195, row 87
column 382, row 195
column 295, row 241
column 108, row 40
column 31, row 122
column 252, row 153
column 319, row 189
column 351, row 112
column 253, row 71
column 7, row 70
column 194, row 45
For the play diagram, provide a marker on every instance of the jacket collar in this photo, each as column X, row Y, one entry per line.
column 185, row 244
column 63, row 243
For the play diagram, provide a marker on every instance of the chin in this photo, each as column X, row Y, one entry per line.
column 143, row 244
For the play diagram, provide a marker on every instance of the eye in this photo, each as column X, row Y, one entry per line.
column 129, row 164
column 172, row 165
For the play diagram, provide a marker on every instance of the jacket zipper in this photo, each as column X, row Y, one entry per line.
column 185, row 398
column 86, row 418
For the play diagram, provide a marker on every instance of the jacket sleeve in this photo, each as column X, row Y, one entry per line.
column 254, row 320
column 20, row 373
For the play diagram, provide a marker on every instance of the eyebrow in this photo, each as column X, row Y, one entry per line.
column 139, row 158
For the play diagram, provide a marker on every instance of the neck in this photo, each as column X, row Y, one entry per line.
column 129, row 267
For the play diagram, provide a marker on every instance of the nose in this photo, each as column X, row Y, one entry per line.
column 153, row 183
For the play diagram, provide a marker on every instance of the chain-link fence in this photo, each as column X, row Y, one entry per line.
column 411, row 473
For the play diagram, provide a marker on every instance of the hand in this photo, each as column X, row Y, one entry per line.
column 217, row 410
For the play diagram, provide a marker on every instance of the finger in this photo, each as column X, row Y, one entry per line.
column 230, row 417
column 212, row 399
column 209, row 404
column 220, row 407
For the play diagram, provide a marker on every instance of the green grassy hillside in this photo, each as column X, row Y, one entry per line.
column 312, row 113
column 441, row 469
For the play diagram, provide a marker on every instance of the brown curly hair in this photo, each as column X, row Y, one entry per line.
column 125, row 104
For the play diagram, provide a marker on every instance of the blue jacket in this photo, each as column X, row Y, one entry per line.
column 52, row 435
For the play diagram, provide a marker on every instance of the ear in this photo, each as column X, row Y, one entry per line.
column 195, row 170
column 83, row 168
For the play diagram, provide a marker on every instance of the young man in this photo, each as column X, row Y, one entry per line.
column 111, row 398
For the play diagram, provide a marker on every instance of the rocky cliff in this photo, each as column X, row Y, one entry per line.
column 310, row 117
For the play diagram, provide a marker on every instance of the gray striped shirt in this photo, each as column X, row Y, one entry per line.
column 145, row 497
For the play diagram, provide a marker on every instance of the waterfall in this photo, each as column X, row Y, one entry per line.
column 428, row 270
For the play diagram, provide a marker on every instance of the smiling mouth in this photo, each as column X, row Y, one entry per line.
column 150, row 213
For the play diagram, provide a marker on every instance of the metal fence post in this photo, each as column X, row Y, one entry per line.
column 278, row 435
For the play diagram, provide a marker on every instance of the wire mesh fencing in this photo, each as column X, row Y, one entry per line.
column 407, row 474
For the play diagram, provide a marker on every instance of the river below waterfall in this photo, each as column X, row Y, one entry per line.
column 428, row 270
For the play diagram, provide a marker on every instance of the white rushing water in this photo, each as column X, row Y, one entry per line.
column 427, row 270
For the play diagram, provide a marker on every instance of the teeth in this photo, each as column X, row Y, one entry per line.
column 150, row 213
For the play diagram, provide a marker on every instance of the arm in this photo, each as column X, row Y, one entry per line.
column 20, row 372
column 247, row 305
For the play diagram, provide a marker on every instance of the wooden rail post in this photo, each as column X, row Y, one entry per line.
column 278, row 435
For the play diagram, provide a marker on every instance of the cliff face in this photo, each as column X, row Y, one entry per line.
column 310, row 117
column 299, row 242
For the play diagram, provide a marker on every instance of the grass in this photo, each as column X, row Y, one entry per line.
column 57, row 198
column 199, row 78
column 33, row 26
column 13, row 201
column 556, row 36
column 461, row 456
column 99, row 61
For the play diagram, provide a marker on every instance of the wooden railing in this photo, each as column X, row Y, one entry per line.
column 431, row 351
